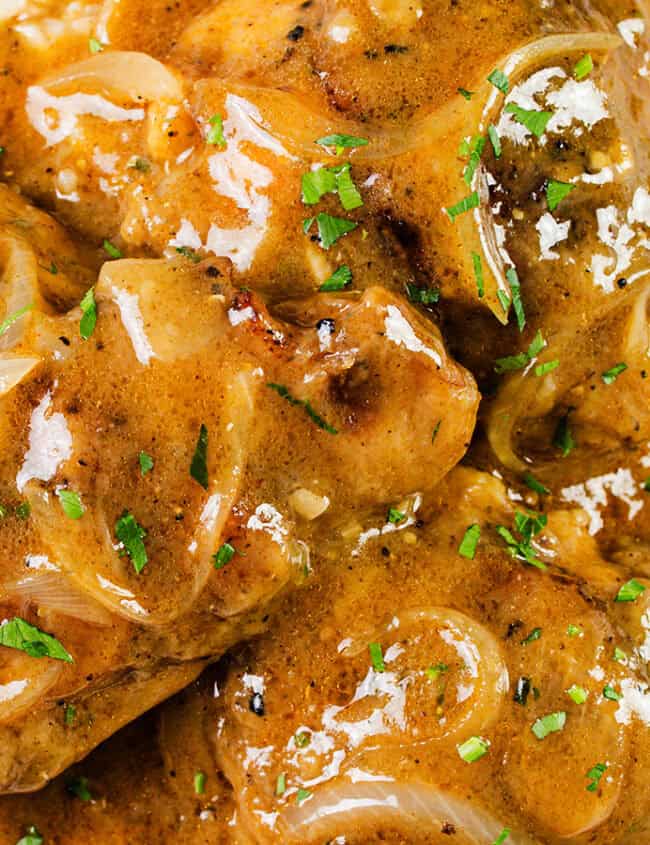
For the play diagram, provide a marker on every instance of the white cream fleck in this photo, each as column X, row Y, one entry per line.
column 129, row 305
column 50, row 444
column 401, row 333
column 551, row 232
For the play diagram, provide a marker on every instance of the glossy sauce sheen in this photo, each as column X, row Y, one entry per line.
column 401, row 595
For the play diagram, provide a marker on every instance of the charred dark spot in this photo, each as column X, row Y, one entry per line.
column 370, row 54
column 213, row 271
column 64, row 340
column 296, row 33
column 622, row 282
column 395, row 48
column 513, row 627
column 407, row 235
column 448, row 829
column 354, row 387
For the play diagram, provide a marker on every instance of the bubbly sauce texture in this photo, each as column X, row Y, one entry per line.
column 324, row 390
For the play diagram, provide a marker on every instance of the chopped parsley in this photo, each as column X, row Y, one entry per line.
column 317, row 183
column 32, row 837
column 535, row 485
column 546, row 367
column 436, row 430
column 187, row 252
column 146, row 463
column 3, row 511
column 395, row 516
column 465, row 93
column 111, row 250
column 302, row 739
column 79, row 788
column 341, row 142
column 11, row 318
column 556, row 192
column 522, row 359
column 527, row 525
column 199, row 783
column 501, row 838
column 71, row 503
column 131, row 534
column 223, row 556
column 577, row 694
column 517, row 304
column 475, row 152
column 619, row 655
column 574, row 630
column 473, row 749
column 499, row 80
column 339, row 279
column 281, row 784
column 595, row 774
column 215, row 134
column 551, row 723
column 302, row 795
column 478, row 274
column 610, row 376
column 141, row 164
column 94, row 45
column 18, row 634
column 494, row 140
column 610, row 693
column 583, row 67
column 563, row 439
column 422, row 296
column 23, row 510
column 630, row 591
column 534, row 635
column 469, row 542
column 348, row 193
column 330, row 229
column 284, row 392
column 88, row 314
column 535, row 121
column 199, row 464
column 376, row 657
column 466, row 204
column 69, row 714
column 434, row 672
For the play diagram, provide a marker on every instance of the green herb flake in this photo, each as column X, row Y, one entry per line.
column 10, row 319
column 53, row 269
column 88, row 314
column 583, row 67
column 610, row 376
column 339, row 279
column 302, row 795
column 186, row 252
column 434, row 672
column 551, row 723
column 595, row 774
column 349, row 195
column 466, row 204
column 422, row 296
column 536, row 486
column 223, row 556
column 317, row 183
column 32, row 837
column 23, row 511
column 493, row 135
column 146, row 463
column 619, row 655
column 71, row 503
column 534, row 635
column 522, row 359
column 376, row 657
column 646, row 485
column 281, row 784
column 302, row 739
column 465, row 93
column 502, row 837
column 504, row 300
column 199, row 783
column 111, row 250
column 131, row 534
column 199, row 464
column 517, row 304
column 476, row 151
column 395, row 516
column 467, row 548
column 19, row 634
column 341, row 142
column 630, row 591
column 94, row 46
column 69, row 714
column 534, row 121
column 215, row 134
column 574, row 630
column 610, row 693
column 478, row 274
column 284, row 392
column 436, row 430
column 563, row 439
column 499, row 80
column 79, row 788
column 556, row 192
column 139, row 163
column 577, row 694
column 473, row 749
column 3, row 511
column 330, row 229
column 527, row 525
column 546, row 367
column 307, row 224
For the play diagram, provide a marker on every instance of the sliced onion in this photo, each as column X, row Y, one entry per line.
column 137, row 75
column 415, row 808
column 13, row 371
column 23, row 682
column 51, row 590
column 18, row 286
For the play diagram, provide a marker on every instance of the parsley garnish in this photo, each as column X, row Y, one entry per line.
column 610, row 693
column 466, row 204
column 534, row 121
column 281, row 784
column 330, row 229
column 577, row 694
column 595, row 774
column 223, row 556
column 348, row 194
column 341, row 142
column 517, row 304
column 478, row 274
column 131, row 534
column 146, row 463
column 79, row 788
column 552, row 723
column 285, row 394
column 112, row 250
column 89, row 314
column 519, row 361
column 69, row 714
column 583, row 67
column 473, row 749
column 317, row 183
column 501, row 838
column 187, row 252
column 469, row 542
column 395, row 516
column 610, row 376
column 630, row 591
column 436, row 430
column 23, row 510
column 215, row 133
column 139, row 163
column 11, row 318
column 94, row 45
column 376, row 657
column 199, row 783
column 302, row 739
column 534, row 635
column 32, row 837
column 476, row 151
column 199, row 464
column 422, row 296
column 527, row 526
column 573, row 630
column 302, row 795
column 18, row 634
column 535, row 485
column 434, row 672
column 547, row 367
column 465, row 93
column 339, row 279
column 494, row 140
column 563, row 439
column 619, row 655
column 71, row 503
column 499, row 80
column 556, row 192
